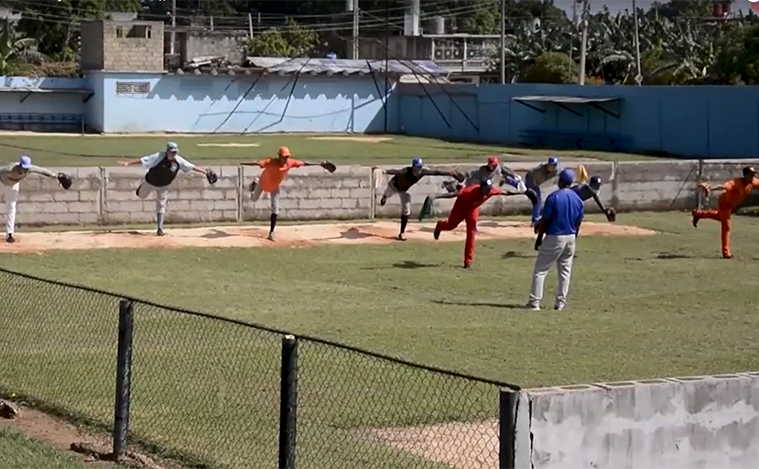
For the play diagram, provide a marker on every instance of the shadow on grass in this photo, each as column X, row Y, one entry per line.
column 480, row 303
column 516, row 255
column 413, row 265
column 216, row 234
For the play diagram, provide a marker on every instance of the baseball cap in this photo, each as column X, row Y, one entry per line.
column 25, row 161
column 172, row 146
column 595, row 181
column 284, row 152
column 493, row 161
column 566, row 177
column 417, row 162
column 554, row 160
column 749, row 170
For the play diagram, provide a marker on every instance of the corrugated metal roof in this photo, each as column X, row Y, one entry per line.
column 320, row 66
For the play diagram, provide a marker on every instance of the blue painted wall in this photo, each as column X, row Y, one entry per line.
column 10, row 102
column 703, row 121
column 215, row 104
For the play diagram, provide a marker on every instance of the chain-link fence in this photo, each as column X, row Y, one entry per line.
column 214, row 392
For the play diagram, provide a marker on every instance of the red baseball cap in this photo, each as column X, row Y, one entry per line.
column 493, row 161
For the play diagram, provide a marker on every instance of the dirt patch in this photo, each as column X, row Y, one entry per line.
column 92, row 448
column 462, row 445
column 381, row 232
column 355, row 139
column 228, row 145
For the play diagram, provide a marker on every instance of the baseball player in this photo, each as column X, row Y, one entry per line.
column 735, row 192
column 11, row 177
column 534, row 178
column 274, row 173
column 590, row 190
column 560, row 224
column 163, row 168
column 486, row 172
column 402, row 181
column 467, row 208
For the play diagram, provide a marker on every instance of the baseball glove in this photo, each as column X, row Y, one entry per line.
column 611, row 214
column 329, row 166
column 64, row 180
column 705, row 187
column 460, row 177
column 211, row 176
column 426, row 210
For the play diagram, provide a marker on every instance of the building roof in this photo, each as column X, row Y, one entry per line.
column 328, row 67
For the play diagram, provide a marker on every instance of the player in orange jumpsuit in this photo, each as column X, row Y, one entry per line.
column 736, row 191
column 467, row 207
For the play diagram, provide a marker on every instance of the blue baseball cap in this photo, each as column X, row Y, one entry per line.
column 172, row 146
column 25, row 161
column 566, row 177
column 553, row 160
column 417, row 162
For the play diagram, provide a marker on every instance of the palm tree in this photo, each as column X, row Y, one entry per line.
column 12, row 46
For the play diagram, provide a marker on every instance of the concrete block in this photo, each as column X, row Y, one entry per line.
column 82, row 207
column 185, row 194
column 35, row 197
column 330, row 203
column 201, row 205
column 349, row 182
column 309, row 203
column 224, row 205
column 130, row 206
column 210, row 194
column 65, row 196
column 120, row 195
column 89, row 196
column 360, row 193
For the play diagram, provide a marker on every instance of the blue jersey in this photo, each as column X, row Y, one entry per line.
column 562, row 212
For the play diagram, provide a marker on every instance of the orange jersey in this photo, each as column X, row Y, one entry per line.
column 736, row 191
column 274, row 173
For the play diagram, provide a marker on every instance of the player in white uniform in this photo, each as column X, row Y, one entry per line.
column 10, row 181
column 162, row 170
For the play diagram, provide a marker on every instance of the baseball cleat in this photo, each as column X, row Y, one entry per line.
column 252, row 186
column 533, row 306
column 467, row 266
column 137, row 191
column 160, row 232
column 724, row 256
column 695, row 219
column 559, row 306
column 270, row 237
column 436, row 234
column 10, row 239
column 401, row 237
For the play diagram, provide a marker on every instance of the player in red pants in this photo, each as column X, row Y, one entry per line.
column 467, row 207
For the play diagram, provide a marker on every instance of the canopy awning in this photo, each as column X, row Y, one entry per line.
column 27, row 91
column 564, row 101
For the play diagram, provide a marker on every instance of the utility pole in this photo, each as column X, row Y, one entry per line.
column 639, row 75
column 250, row 25
column 173, row 25
column 574, row 31
column 354, row 54
column 503, row 42
column 584, row 45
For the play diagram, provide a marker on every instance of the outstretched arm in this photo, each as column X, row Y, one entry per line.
column 393, row 172
column 435, row 172
column 42, row 171
column 252, row 163
column 598, row 202
column 130, row 163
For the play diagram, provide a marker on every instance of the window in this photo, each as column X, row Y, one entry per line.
column 119, row 32
column 139, row 31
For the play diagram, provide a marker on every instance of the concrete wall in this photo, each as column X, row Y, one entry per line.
column 692, row 422
column 189, row 103
column 699, row 121
column 214, row 43
column 106, row 195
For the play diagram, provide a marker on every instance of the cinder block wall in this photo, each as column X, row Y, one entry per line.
column 674, row 423
column 107, row 195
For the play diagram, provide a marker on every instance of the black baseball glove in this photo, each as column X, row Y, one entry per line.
column 64, row 180
column 329, row 166
column 211, row 176
column 460, row 177
column 611, row 214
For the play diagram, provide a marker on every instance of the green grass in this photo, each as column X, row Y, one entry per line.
column 97, row 150
column 18, row 452
column 658, row 306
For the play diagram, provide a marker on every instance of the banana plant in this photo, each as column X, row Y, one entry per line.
column 12, row 46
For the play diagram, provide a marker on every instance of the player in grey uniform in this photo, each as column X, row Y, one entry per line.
column 402, row 181
column 162, row 170
column 11, row 177
column 590, row 191
column 534, row 178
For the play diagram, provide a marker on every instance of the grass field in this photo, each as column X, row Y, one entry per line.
column 96, row 150
column 647, row 307
column 19, row 452
column 639, row 307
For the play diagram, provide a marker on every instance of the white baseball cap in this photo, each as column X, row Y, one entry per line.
column 25, row 161
column 172, row 146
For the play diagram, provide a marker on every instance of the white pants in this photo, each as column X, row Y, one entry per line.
column 273, row 195
column 161, row 195
column 559, row 250
column 10, row 194
column 404, row 196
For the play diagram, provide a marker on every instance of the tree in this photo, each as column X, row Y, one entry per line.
column 291, row 41
column 738, row 58
column 14, row 46
column 551, row 67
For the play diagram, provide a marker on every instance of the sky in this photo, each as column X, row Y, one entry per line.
column 618, row 5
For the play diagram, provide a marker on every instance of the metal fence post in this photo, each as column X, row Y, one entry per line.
column 123, row 379
column 699, row 192
column 288, row 405
column 507, row 418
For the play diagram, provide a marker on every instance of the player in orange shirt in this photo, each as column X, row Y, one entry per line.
column 736, row 191
column 273, row 174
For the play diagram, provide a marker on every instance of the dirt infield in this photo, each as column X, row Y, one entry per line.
column 381, row 232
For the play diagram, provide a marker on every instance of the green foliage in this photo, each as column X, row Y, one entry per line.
column 14, row 48
column 292, row 41
column 551, row 67
column 738, row 58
